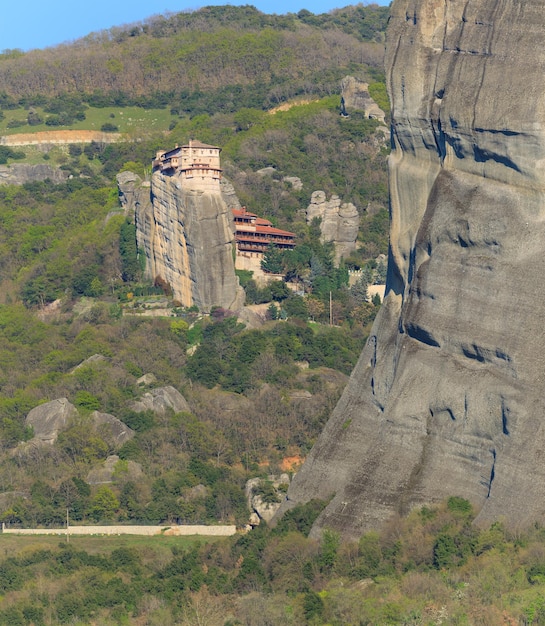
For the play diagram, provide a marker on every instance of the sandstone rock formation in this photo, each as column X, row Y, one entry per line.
column 48, row 419
column 160, row 400
column 134, row 194
column 447, row 397
column 113, row 430
column 355, row 95
column 187, row 237
column 229, row 194
column 21, row 173
column 339, row 222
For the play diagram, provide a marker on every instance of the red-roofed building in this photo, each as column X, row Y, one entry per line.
column 253, row 234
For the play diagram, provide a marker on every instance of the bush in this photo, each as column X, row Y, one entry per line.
column 7, row 153
column 86, row 400
column 300, row 518
column 109, row 128
column 313, row 605
column 139, row 421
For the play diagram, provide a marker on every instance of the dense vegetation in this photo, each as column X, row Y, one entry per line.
column 433, row 567
column 217, row 446
column 208, row 53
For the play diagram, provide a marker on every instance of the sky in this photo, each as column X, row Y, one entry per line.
column 43, row 23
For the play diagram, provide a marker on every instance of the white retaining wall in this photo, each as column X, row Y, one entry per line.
column 211, row 531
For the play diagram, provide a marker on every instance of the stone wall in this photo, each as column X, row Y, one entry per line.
column 210, row 531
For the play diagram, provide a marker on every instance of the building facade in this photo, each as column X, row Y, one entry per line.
column 254, row 234
column 197, row 164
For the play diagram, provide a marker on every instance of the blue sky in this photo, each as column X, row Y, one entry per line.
column 42, row 23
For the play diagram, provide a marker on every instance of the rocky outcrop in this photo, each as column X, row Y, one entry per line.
column 21, row 173
column 339, row 222
column 49, row 419
column 95, row 359
column 229, row 194
column 112, row 429
column 106, row 471
column 187, row 237
column 264, row 497
column 447, row 397
column 160, row 400
column 134, row 194
column 355, row 96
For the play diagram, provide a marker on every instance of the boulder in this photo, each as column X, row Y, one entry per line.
column 197, row 492
column 147, row 379
column 92, row 360
column 250, row 317
column 105, row 472
column 294, row 181
column 111, row 428
column 48, row 419
column 160, row 400
column 258, row 506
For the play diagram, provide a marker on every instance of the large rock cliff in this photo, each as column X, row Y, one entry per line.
column 447, row 397
column 339, row 223
column 187, row 237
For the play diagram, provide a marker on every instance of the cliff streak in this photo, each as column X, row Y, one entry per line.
column 188, row 240
column 446, row 397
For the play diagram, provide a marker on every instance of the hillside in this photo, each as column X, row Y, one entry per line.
column 226, row 51
column 71, row 285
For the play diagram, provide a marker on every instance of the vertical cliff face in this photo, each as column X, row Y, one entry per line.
column 339, row 223
column 447, row 397
column 187, row 237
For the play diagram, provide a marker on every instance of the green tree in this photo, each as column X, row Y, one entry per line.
column 128, row 251
column 272, row 261
column 358, row 291
column 104, row 504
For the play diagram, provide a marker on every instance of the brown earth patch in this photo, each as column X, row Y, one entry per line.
column 59, row 137
column 286, row 106
column 290, row 463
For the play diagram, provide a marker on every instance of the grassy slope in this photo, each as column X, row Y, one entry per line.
column 136, row 121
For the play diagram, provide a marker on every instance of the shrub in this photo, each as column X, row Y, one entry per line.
column 86, row 400
column 139, row 420
column 109, row 128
